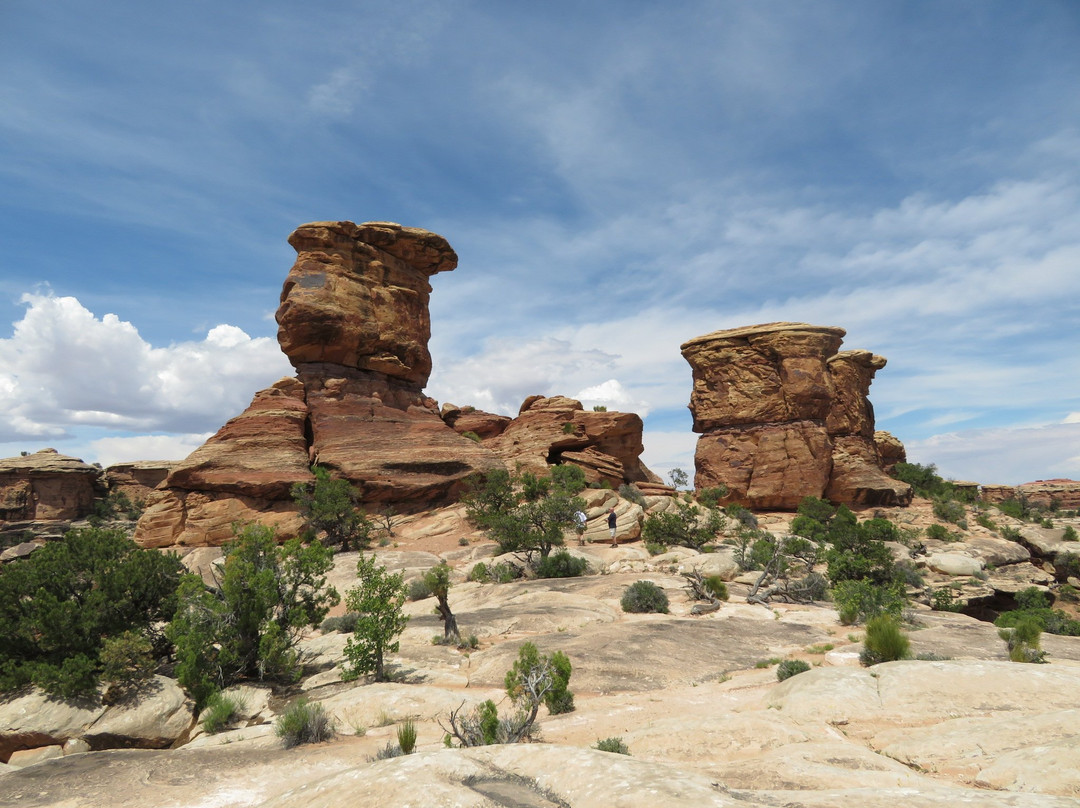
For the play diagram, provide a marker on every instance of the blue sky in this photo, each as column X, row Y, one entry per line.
column 616, row 178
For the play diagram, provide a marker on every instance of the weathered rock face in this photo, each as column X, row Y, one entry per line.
column 890, row 450
column 606, row 445
column 358, row 296
column 47, row 486
column 1047, row 493
column 469, row 419
column 354, row 322
column 783, row 414
column 138, row 479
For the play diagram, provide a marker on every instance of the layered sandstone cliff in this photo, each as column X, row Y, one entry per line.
column 784, row 414
column 353, row 320
column 47, row 486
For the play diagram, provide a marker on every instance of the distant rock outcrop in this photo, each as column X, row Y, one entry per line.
column 47, row 486
column 557, row 429
column 353, row 320
column 784, row 414
column 137, row 479
column 1057, row 493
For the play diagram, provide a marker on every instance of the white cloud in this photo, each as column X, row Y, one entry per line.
column 1072, row 418
column 1006, row 456
column 612, row 395
column 665, row 451
column 109, row 451
column 64, row 368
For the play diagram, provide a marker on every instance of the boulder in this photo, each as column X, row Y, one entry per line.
column 783, row 414
column 47, row 485
column 954, row 564
column 469, row 419
column 158, row 716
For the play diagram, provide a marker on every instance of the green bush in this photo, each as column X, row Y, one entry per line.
column 716, row 586
column 471, row 436
column 419, row 590
column 950, row 511
column 858, row 601
column 220, row 711
column 884, row 641
column 59, row 606
column 561, row 564
column 710, row 497
column 1017, row 508
column 614, row 744
column 127, row 661
column 479, row 573
column 330, row 505
column 1067, row 565
column 688, row 526
column 1022, row 640
column 791, row 667
column 644, row 597
column 1070, row 534
column 942, row 600
column 985, row 520
column 343, row 624
column 304, row 722
column 406, row 736
column 941, row 533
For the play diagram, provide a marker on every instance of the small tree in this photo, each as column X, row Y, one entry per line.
column 1022, row 640
column 687, row 526
column 330, row 505
column 557, row 698
column 679, row 479
column 249, row 625
column 378, row 603
column 437, row 581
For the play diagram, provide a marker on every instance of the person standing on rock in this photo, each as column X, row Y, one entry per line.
column 612, row 521
column 579, row 524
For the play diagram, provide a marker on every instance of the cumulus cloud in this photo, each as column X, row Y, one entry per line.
column 109, row 451
column 614, row 396
column 64, row 368
column 1007, row 455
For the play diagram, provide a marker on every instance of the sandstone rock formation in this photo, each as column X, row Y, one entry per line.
column 557, row 429
column 136, row 480
column 1045, row 493
column 784, row 414
column 353, row 321
column 47, row 485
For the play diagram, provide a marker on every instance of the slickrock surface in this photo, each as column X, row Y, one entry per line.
column 783, row 414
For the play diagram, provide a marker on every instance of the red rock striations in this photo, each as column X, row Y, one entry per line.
column 354, row 322
column 783, row 414
column 47, row 486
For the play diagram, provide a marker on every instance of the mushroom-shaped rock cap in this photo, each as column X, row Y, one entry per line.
column 358, row 296
column 421, row 249
column 789, row 332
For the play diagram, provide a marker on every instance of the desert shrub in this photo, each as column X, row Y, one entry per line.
column 716, row 586
column 655, row 548
column 1022, row 640
column 710, row 497
column 1070, row 534
column 471, row 436
column 940, row 533
column 391, row 750
column 343, row 624
column 985, row 520
column 304, row 722
column 1034, row 604
column 406, row 736
column 503, row 573
column 741, row 515
column 249, row 626
column 330, row 505
column 60, row 606
column 1069, row 593
column 419, row 589
column 220, row 711
column 908, row 574
column 688, row 526
column 631, row 493
column 568, row 428
column 858, row 601
column 950, row 511
column 791, row 667
column 1016, row 507
column 479, row 573
column 644, row 597
column 1067, row 565
column 613, row 744
column 561, row 564
column 599, row 408
column 884, row 641
column 942, row 600
column 812, row 586
column 115, row 505
column 567, row 478
column 127, row 660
